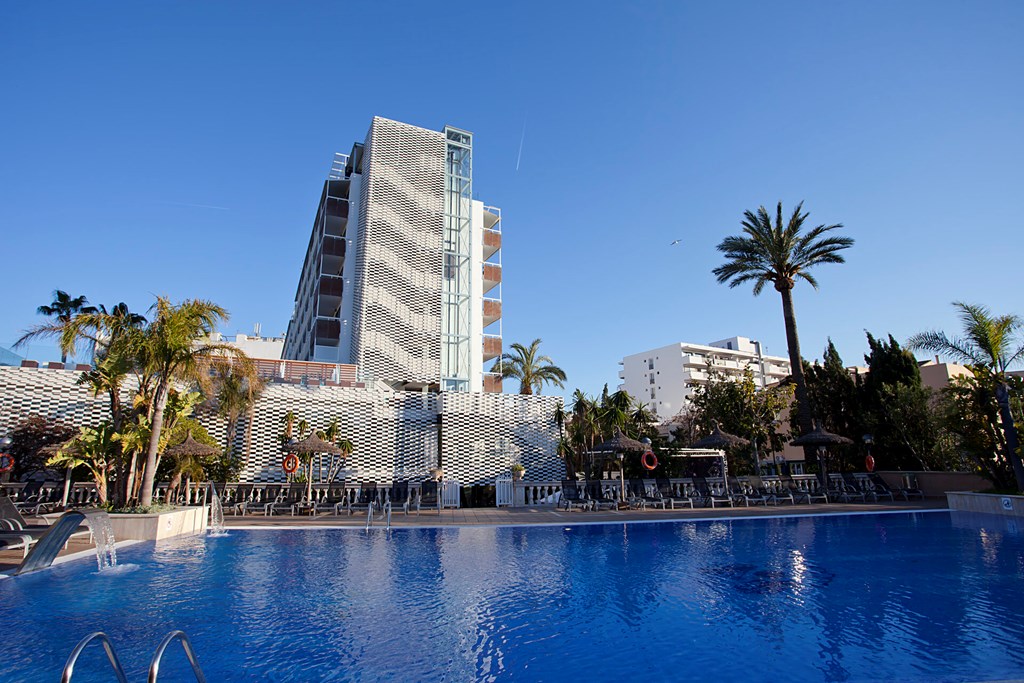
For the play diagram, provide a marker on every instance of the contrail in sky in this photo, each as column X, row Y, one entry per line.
column 519, row 157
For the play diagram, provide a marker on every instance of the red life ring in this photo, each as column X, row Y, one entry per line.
column 649, row 460
column 291, row 463
column 869, row 463
column 6, row 462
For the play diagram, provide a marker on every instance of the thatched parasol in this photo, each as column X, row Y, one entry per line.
column 617, row 445
column 191, row 447
column 720, row 440
column 311, row 444
column 819, row 437
column 620, row 443
column 822, row 439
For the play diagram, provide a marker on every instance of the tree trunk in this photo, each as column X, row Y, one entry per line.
column 803, row 403
column 149, row 475
column 248, row 433
column 1009, row 432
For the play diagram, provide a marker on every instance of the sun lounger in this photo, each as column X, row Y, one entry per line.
column 367, row 498
column 241, row 499
column 15, row 541
column 708, row 495
column 878, row 484
column 809, row 495
column 839, row 490
column 758, row 492
column 398, row 496
column 572, row 496
column 667, row 494
column 427, row 498
column 598, row 499
column 639, row 497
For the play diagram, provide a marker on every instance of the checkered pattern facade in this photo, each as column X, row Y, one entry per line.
column 396, row 332
column 395, row 434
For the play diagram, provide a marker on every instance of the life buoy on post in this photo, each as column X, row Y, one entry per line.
column 290, row 464
column 6, row 462
column 649, row 460
column 869, row 463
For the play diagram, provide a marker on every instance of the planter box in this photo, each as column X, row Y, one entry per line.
column 181, row 522
column 987, row 503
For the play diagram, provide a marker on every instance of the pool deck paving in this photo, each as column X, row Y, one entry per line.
column 538, row 515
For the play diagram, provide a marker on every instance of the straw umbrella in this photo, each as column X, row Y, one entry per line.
column 189, row 448
column 822, row 439
column 618, row 445
column 720, row 441
column 311, row 445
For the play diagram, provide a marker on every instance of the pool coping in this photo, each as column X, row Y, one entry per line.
column 566, row 524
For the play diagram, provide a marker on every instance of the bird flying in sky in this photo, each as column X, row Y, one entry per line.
column 674, row 243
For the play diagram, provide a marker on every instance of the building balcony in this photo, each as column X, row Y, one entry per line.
column 492, row 383
column 492, row 347
column 492, row 243
column 492, row 311
column 492, row 276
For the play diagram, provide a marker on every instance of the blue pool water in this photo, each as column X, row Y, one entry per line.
column 901, row 597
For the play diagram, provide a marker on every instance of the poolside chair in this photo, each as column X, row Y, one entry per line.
column 667, row 494
column 739, row 492
column 427, row 498
column 838, row 489
column 598, row 499
column 332, row 502
column 878, row 484
column 272, row 496
column 241, row 499
column 366, row 499
column 809, row 494
column 16, row 541
column 398, row 496
column 572, row 496
column 876, row 490
column 759, row 492
column 639, row 498
column 708, row 495
column 853, row 483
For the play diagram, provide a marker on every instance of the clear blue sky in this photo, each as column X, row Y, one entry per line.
column 179, row 148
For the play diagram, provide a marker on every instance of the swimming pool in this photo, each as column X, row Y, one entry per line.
column 929, row 596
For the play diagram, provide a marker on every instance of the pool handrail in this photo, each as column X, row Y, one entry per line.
column 115, row 662
column 186, row 645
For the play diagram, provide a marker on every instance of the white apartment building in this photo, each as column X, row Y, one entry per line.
column 402, row 275
column 664, row 378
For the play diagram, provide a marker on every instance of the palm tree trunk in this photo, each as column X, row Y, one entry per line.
column 803, row 403
column 1009, row 432
column 149, row 475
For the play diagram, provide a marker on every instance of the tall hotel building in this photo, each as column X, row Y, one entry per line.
column 402, row 276
column 666, row 377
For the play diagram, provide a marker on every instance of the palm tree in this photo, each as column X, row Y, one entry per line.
column 176, row 349
column 780, row 253
column 989, row 345
column 63, row 309
column 531, row 369
column 236, row 395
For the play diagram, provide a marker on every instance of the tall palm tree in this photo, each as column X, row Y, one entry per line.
column 176, row 350
column 780, row 253
column 236, row 394
column 63, row 310
column 531, row 369
column 990, row 345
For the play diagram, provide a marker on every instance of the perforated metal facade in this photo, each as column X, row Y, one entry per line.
column 395, row 433
column 396, row 333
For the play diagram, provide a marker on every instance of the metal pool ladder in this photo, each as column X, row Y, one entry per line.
column 115, row 662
